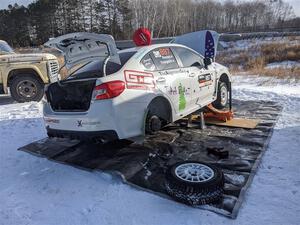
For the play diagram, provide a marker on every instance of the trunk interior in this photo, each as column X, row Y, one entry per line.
column 70, row 95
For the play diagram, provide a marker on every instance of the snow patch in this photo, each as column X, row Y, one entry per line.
column 284, row 64
column 38, row 191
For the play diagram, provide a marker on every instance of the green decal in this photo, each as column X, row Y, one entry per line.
column 182, row 101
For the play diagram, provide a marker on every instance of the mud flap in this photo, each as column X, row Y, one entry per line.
column 144, row 165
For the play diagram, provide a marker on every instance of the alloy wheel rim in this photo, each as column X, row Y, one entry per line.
column 194, row 172
column 224, row 95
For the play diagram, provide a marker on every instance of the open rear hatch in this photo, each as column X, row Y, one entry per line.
column 74, row 96
column 79, row 48
column 84, row 47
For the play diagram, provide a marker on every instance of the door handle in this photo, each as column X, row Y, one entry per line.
column 191, row 75
column 161, row 80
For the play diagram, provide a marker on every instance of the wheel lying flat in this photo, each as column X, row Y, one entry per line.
column 194, row 183
column 194, row 172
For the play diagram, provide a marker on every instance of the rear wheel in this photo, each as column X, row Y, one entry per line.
column 25, row 88
column 153, row 123
column 158, row 115
column 222, row 97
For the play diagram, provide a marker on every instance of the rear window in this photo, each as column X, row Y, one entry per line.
column 94, row 68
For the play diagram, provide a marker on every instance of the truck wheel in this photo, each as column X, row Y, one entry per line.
column 194, row 183
column 222, row 96
column 26, row 88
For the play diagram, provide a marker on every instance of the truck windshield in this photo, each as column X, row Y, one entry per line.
column 4, row 47
column 94, row 68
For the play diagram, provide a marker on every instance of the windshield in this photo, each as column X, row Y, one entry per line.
column 94, row 68
column 4, row 47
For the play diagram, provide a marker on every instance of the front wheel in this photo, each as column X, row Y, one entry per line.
column 222, row 96
column 26, row 88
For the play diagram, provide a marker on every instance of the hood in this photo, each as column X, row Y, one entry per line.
column 204, row 42
column 27, row 57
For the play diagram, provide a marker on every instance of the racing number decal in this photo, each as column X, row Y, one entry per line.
column 139, row 80
column 164, row 51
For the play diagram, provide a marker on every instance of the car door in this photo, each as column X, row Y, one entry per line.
column 203, row 79
column 170, row 79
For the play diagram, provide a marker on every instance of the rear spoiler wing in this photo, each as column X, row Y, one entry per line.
column 85, row 47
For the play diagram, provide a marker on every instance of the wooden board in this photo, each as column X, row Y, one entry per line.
column 235, row 122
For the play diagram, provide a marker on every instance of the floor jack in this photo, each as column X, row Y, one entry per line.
column 212, row 116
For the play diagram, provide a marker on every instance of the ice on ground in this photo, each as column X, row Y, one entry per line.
column 36, row 191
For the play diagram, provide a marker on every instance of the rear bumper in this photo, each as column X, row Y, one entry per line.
column 104, row 135
column 120, row 115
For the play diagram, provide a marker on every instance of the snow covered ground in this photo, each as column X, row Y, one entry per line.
column 284, row 64
column 255, row 42
column 36, row 191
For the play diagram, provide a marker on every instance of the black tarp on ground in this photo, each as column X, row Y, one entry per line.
column 144, row 165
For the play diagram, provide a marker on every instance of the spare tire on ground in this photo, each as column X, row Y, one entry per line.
column 194, row 183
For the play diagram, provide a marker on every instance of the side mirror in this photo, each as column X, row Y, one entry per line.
column 207, row 62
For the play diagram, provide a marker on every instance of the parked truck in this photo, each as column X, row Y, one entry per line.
column 24, row 75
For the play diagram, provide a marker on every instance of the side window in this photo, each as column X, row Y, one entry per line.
column 188, row 58
column 148, row 63
column 164, row 59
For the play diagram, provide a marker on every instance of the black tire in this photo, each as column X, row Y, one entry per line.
column 153, row 123
column 195, row 193
column 220, row 103
column 26, row 88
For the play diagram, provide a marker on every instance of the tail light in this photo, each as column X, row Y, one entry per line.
column 108, row 90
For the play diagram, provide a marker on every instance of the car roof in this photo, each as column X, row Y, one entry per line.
column 144, row 49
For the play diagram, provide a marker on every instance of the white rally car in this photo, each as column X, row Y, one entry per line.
column 124, row 94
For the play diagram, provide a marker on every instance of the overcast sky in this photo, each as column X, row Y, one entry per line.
column 5, row 3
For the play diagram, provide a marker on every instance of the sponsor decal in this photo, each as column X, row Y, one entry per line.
column 164, row 51
column 172, row 90
column 156, row 54
column 81, row 123
column 49, row 120
column 139, row 80
column 148, row 63
column 175, row 90
column 182, row 101
column 204, row 80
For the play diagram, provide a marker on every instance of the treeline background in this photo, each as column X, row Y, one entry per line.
column 42, row 19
